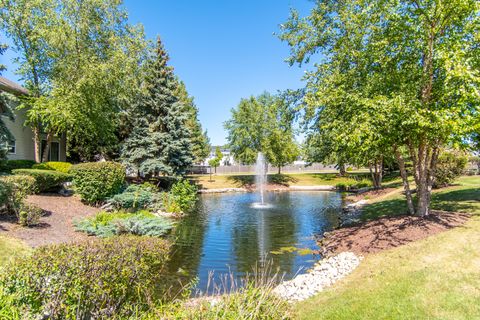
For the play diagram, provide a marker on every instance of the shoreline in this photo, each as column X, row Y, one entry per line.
column 275, row 189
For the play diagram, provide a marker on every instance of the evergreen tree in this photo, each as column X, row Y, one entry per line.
column 159, row 142
column 199, row 138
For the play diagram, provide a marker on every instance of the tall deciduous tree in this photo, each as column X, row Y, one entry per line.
column 408, row 69
column 160, row 141
column 79, row 60
column 262, row 124
column 6, row 111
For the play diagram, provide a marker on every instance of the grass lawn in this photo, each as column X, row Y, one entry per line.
column 294, row 179
column 435, row 278
column 10, row 248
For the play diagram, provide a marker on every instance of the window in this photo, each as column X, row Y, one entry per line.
column 12, row 147
column 54, row 151
column 54, row 154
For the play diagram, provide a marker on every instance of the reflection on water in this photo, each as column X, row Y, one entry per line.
column 227, row 234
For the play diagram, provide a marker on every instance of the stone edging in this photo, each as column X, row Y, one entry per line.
column 291, row 188
column 325, row 273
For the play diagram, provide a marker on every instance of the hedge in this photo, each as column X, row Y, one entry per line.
column 53, row 165
column 97, row 181
column 46, row 180
column 8, row 165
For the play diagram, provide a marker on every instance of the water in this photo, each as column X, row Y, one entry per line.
column 260, row 178
column 228, row 235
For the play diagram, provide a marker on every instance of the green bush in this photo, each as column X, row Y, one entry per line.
column 450, row 165
column 106, row 224
column 53, row 165
column 184, row 195
column 30, row 215
column 351, row 184
column 9, row 165
column 46, row 180
column 96, row 181
column 98, row 279
column 13, row 191
column 136, row 197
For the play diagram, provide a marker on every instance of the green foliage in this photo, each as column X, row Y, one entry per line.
column 135, row 197
column 96, row 181
column 251, row 301
column 184, row 194
column 29, row 215
column 262, row 124
column 143, row 223
column 199, row 138
column 159, row 142
column 352, row 184
column 215, row 162
column 13, row 192
column 97, row 279
column 45, row 180
column 374, row 92
column 451, row 165
column 9, row 165
column 53, row 165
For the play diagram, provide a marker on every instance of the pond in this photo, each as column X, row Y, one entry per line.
column 228, row 235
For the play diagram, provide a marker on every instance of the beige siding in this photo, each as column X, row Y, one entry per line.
column 24, row 139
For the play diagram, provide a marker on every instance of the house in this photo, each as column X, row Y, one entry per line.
column 227, row 159
column 22, row 147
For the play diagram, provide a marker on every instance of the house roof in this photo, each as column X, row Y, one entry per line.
column 11, row 87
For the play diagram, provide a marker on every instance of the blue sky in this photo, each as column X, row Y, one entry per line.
column 222, row 49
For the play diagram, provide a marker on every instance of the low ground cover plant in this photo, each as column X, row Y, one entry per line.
column 7, row 166
column 108, row 224
column 352, row 184
column 45, row 180
column 53, row 165
column 97, row 181
column 98, row 279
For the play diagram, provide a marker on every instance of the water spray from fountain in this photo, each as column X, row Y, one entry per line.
column 261, row 179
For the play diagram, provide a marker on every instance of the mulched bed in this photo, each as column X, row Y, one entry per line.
column 388, row 232
column 56, row 226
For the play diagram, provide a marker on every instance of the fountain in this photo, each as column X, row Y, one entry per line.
column 261, row 181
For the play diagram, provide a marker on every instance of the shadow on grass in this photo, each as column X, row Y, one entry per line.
column 249, row 180
column 465, row 200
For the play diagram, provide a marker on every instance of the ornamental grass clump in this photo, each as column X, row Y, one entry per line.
column 108, row 224
column 98, row 279
column 97, row 181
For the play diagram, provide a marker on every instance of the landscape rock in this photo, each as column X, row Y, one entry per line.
column 325, row 273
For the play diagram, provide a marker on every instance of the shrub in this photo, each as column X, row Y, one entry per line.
column 96, row 279
column 29, row 215
column 137, row 197
column 53, row 165
column 14, row 190
column 364, row 183
column 184, row 196
column 9, row 165
column 96, row 181
column 143, row 223
column 450, row 165
column 351, row 184
column 46, row 180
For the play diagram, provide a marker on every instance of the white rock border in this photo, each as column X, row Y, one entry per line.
column 325, row 273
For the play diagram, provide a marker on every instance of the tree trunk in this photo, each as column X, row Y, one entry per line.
column 46, row 152
column 341, row 168
column 279, row 169
column 37, row 144
column 406, row 185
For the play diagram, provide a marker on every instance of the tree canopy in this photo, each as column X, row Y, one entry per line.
column 262, row 124
column 399, row 78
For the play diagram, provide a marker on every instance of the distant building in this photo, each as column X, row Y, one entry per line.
column 227, row 159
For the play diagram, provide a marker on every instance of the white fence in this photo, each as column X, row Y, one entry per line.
column 244, row 169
